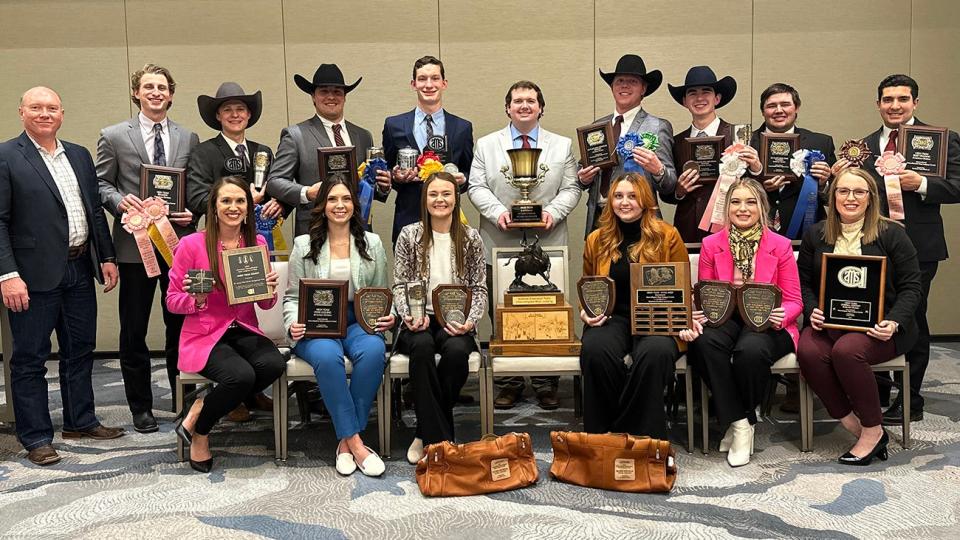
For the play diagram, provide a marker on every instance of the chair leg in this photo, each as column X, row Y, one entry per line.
column 284, row 413
column 303, row 401
column 178, row 391
column 484, row 400
column 805, row 423
column 809, row 405
column 276, row 419
column 385, row 414
column 705, row 416
column 688, row 388
column 905, row 392
column 767, row 403
column 577, row 396
column 489, row 411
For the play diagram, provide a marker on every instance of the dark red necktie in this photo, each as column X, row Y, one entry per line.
column 337, row 138
column 892, row 143
column 526, row 141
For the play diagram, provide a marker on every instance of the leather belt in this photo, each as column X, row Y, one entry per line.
column 74, row 252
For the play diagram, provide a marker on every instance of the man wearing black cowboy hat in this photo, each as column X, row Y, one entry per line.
column 702, row 94
column 230, row 153
column 630, row 83
column 293, row 179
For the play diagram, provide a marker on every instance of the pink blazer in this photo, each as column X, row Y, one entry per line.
column 774, row 264
column 203, row 329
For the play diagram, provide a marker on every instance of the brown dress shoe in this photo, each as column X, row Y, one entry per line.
column 43, row 455
column 240, row 414
column 547, row 400
column 507, row 398
column 262, row 403
column 100, row 433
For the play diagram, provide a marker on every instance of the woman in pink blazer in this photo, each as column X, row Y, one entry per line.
column 219, row 341
column 733, row 359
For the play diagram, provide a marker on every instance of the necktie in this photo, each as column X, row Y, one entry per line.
column 428, row 120
column 159, row 155
column 337, row 137
column 701, row 134
column 892, row 142
column 607, row 174
column 526, row 141
column 242, row 154
column 618, row 126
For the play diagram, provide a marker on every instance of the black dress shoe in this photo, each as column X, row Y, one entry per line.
column 144, row 422
column 894, row 415
column 202, row 466
column 879, row 451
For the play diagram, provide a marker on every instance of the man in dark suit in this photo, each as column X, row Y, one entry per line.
column 780, row 105
column 294, row 178
column 53, row 242
column 149, row 137
column 428, row 126
column 629, row 83
column 897, row 99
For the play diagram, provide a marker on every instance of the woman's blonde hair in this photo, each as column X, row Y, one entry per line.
column 873, row 222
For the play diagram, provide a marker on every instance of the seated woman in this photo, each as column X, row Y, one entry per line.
column 219, row 341
column 618, row 397
column 439, row 250
column 733, row 359
column 337, row 247
column 836, row 363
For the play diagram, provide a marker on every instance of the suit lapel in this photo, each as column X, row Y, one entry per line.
column 136, row 139
column 723, row 260
column 637, row 122
column 318, row 131
column 408, row 120
column 873, row 142
column 32, row 155
column 175, row 138
column 766, row 263
column 506, row 143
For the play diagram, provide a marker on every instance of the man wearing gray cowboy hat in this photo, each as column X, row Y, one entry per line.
column 230, row 153
column 630, row 83
column 294, row 177
column 702, row 94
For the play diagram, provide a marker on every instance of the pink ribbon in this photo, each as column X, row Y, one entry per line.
column 136, row 223
column 731, row 169
column 889, row 165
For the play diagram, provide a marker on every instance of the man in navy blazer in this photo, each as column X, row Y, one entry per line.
column 426, row 127
column 53, row 242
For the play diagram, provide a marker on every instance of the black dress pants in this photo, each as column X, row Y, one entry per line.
column 621, row 398
column 436, row 386
column 735, row 363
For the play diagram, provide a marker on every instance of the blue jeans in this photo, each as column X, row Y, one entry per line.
column 349, row 404
column 71, row 310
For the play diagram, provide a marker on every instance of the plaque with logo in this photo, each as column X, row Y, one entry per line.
column 716, row 299
column 756, row 301
column 451, row 303
column 851, row 290
column 776, row 151
column 338, row 162
column 165, row 183
column 597, row 295
column 661, row 302
column 369, row 304
column 245, row 272
column 323, row 307
column 706, row 153
column 924, row 148
column 416, row 296
column 597, row 145
column 438, row 145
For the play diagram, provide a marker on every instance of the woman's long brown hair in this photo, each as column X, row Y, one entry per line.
column 458, row 232
column 648, row 248
column 248, row 229
column 318, row 220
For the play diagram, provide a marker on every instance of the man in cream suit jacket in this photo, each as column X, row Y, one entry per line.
column 490, row 193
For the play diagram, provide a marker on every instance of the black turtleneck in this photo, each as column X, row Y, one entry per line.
column 620, row 270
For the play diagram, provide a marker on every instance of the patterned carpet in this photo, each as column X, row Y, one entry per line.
column 134, row 487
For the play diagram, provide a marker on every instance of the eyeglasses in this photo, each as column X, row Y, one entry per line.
column 843, row 193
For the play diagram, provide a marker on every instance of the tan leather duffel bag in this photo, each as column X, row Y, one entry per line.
column 614, row 461
column 487, row 466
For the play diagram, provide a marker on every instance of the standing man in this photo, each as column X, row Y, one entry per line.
column 429, row 122
column 780, row 105
column 897, row 100
column 490, row 193
column 53, row 242
column 149, row 137
column 630, row 83
column 294, row 178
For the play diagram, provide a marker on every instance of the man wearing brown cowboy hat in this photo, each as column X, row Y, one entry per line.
column 702, row 94
column 294, row 177
column 630, row 83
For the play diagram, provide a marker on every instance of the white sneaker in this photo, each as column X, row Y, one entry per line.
column 727, row 439
column 372, row 465
column 345, row 463
column 741, row 448
column 415, row 453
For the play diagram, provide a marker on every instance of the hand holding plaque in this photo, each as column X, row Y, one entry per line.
column 924, row 148
column 597, row 145
column 852, row 289
column 165, row 183
column 776, row 150
column 597, row 295
column 756, row 301
column 451, row 304
column 245, row 271
column 716, row 299
column 369, row 305
column 322, row 307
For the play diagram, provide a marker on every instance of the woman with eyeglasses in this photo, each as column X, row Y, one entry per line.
column 836, row 363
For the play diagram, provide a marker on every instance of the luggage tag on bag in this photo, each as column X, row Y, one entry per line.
column 499, row 469
column 624, row 469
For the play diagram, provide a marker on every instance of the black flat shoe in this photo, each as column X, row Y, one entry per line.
column 202, row 466
column 182, row 432
column 879, row 451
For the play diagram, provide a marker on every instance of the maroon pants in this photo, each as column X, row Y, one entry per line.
column 836, row 364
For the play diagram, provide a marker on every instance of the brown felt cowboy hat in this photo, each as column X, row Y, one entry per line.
column 229, row 91
column 704, row 76
column 326, row 75
column 631, row 64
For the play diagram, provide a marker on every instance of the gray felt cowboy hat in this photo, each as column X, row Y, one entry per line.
column 229, row 91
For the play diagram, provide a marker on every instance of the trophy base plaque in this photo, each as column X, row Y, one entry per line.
column 526, row 216
column 534, row 324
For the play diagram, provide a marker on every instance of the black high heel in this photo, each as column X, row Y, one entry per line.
column 879, row 451
column 202, row 466
column 182, row 432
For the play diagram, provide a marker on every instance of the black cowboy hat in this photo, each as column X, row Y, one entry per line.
column 704, row 76
column 228, row 91
column 326, row 75
column 631, row 64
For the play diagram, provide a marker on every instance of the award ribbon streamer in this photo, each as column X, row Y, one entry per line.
column 731, row 169
column 160, row 230
column 805, row 213
column 889, row 165
column 368, row 180
column 136, row 223
column 625, row 147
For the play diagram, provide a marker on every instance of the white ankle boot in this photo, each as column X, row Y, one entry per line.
column 727, row 439
column 741, row 448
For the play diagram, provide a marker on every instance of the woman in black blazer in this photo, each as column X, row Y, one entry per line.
column 836, row 363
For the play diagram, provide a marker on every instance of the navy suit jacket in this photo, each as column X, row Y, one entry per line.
column 33, row 218
column 398, row 133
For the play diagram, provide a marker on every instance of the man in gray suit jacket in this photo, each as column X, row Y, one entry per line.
column 630, row 83
column 294, row 177
column 149, row 137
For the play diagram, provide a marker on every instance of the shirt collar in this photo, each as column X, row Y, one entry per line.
column 534, row 134
column 419, row 115
column 233, row 145
column 329, row 125
column 710, row 130
column 42, row 150
column 628, row 117
column 793, row 129
column 146, row 124
column 886, row 130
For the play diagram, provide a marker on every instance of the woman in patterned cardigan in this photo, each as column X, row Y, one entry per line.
column 439, row 250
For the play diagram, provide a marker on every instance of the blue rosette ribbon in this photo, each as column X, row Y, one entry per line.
column 625, row 147
column 805, row 214
column 368, row 182
column 265, row 226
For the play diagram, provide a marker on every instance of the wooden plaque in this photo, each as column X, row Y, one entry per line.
column 323, row 307
column 717, row 300
column 597, row 145
column 924, row 148
column 369, row 304
column 706, row 153
column 756, row 301
column 597, row 295
column 338, row 162
column 776, row 151
column 166, row 183
column 245, row 271
column 451, row 303
column 852, row 288
column 660, row 303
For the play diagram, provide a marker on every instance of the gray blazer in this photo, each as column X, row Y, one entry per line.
column 120, row 152
column 642, row 123
column 296, row 163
